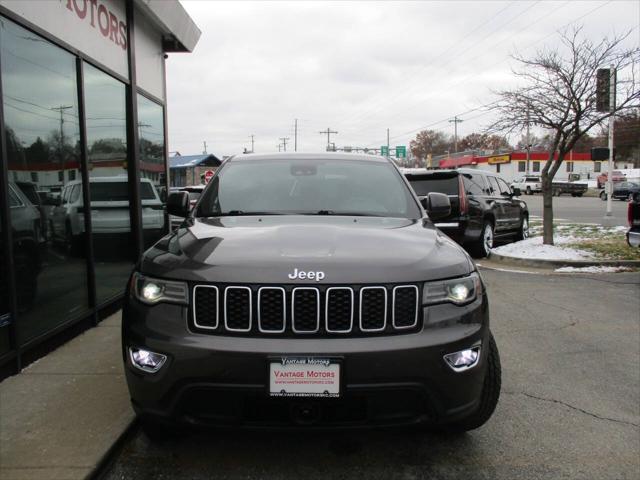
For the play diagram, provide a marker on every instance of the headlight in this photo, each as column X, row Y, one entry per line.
column 154, row 290
column 457, row 290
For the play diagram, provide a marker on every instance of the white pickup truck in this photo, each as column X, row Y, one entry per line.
column 528, row 184
column 109, row 210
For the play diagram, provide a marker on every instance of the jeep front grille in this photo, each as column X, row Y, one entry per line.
column 297, row 311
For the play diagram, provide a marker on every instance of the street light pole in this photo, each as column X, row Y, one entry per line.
column 609, row 219
column 528, row 143
column 388, row 143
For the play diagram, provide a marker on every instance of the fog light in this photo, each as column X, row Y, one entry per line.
column 145, row 360
column 464, row 359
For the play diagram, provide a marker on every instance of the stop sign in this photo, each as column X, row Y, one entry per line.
column 208, row 175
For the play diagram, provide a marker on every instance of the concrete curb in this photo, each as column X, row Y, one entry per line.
column 103, row 465
column 536, row 263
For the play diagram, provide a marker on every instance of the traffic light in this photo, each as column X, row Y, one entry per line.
column 601, row 153
column 603, row 90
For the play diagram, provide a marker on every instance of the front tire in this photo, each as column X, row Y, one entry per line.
column 603, row 196
column 482, row 247
column 528, row 191
column 523, row 233
column 489, row 396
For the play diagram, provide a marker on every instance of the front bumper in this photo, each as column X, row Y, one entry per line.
column 386, row 380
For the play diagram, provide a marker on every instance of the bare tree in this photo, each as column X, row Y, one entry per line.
column 429, row 142
column 558, row 93
column 483, row 141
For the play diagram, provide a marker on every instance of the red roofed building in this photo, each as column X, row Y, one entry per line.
column 513, row 164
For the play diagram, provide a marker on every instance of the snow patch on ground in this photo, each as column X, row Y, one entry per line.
column 591, row 269
column 534, row 249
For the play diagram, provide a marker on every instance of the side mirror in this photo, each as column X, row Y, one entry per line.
column 438, row 205
column 178, row 204
column 516, row 192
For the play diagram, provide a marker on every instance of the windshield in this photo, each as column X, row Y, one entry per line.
column 320, row 187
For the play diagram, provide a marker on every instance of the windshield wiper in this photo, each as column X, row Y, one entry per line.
column 241, row 213
column 342, row 214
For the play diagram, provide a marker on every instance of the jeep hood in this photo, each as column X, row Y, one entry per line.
column 266, row 249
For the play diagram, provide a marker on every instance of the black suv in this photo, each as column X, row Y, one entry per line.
column 483, row 207
column 309, row 290
column 29, row 245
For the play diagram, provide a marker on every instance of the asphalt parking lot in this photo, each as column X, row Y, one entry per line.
column 570, row 405
column 580, row 210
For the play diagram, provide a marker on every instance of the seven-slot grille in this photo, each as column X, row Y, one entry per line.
column 305, row 310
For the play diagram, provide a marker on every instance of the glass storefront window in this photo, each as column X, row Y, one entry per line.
column 114, row 247
column 42, row 132
column 152, row 169
column 5, row 316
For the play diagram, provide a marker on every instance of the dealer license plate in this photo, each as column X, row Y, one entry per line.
column 304, row 377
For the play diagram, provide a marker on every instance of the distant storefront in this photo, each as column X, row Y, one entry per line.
column 185, row 170
column 513, row 164
column 82, row 122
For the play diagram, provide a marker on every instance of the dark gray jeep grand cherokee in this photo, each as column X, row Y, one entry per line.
column 309, row 290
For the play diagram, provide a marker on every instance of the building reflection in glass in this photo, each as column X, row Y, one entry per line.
column 42, row 133
column 152, row 169
column 113, row 244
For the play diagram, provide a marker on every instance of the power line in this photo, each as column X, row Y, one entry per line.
column 405, row 87
column 473, row 75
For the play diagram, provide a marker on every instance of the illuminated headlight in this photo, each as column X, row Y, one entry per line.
column 154, row 290
column 464, row 359
column 457, row 290
column 146, row 360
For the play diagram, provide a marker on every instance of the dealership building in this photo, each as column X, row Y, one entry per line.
column 83, row 121
column 511, row 165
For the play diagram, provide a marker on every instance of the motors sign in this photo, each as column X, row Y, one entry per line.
column 96, row 28
column 102, row 19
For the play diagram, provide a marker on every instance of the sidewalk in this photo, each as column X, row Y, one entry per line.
column 60, row 416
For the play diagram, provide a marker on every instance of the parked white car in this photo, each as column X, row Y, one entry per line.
column 109, row 210
column 528, row 184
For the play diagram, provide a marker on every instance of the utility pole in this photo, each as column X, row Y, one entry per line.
column 455, row 122
column 251, row 136
column 284, row 142
column 328, row 132
column 279, row 147
column 387, row 143
column 61, row 109
column 295, row 136
column 204, row 152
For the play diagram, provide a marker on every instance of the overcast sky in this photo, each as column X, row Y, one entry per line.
column 357, row 67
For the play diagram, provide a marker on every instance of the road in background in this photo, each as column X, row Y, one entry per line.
column 570, row 405
column 578, row 209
